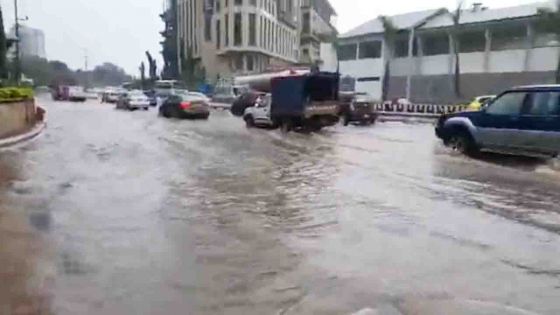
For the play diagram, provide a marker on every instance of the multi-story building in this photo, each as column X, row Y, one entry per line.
column 32, row 41
column 497, row 49
column 239, row 36
column 236, row 37
column 315, row 28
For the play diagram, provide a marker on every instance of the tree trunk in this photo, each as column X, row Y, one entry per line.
column 386, row 78
column 457, row 75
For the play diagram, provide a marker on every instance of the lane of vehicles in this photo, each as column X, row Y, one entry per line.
column 520, row 121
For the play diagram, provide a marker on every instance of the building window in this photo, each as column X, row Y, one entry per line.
column 237, row 30
column 226, row 3
column 218, row 5
column 208, row 27
column 401, row 48
column 238, row 62
column 252, row 29
column 370, row 49
column 306, row 23
column 511, row 36
column 347, row 52
column 226, row 30
column 436, row 44
column 238, row 2
column 218, row 35
column 250, row 63
column 253, row 2
column 472, row 41
column 369, row 79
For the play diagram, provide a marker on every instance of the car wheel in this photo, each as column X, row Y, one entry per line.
column 463, row 143
column 249, row 121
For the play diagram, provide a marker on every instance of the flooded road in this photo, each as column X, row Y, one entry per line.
column 112, row 212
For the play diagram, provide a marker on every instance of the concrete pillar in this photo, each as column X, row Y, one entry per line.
column 528, row 46
column 410, row 63
column 487, row 49
column 451, row 59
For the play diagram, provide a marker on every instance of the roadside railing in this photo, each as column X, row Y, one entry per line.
column 417, row 110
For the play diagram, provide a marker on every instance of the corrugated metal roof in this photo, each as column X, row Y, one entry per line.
column 468, row 16
column 401, row 21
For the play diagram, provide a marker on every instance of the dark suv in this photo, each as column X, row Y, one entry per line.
column 522, row 121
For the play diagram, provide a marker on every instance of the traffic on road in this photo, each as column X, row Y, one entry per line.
column 147, row 215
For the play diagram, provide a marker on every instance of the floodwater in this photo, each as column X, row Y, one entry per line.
column 113, row 212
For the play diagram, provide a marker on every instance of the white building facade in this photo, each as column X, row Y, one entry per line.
column 498, row 48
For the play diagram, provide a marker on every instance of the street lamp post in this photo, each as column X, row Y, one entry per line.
column 17, row 71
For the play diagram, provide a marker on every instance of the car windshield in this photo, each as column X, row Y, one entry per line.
column 279, row 157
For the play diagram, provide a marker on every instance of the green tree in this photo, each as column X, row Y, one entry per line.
column 390, row 36
column 3, row 48
column 548, row 22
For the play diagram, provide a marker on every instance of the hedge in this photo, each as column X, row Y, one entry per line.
column 15, row 94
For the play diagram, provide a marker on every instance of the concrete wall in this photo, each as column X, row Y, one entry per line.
column 365, row 68
column 439, row 88
column 16, row 117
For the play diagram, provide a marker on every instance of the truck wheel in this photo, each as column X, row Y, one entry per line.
column 249, row 122
column 286, row 126
column 463, row 143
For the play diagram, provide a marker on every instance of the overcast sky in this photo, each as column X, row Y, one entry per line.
column 120, row 31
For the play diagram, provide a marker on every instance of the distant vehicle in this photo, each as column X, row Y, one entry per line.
column 359, row 108
column 520, row 121
column 151, row 95
column 133, row 100
column 201, row 96
column 111, row 95
column 184, row 106
column 69, row 93
column 306, row 102
column 258, row 115
column 244, row 101
column 479, row 102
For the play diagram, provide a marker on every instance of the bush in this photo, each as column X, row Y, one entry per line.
column 15, row 94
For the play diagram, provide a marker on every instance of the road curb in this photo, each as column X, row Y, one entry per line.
column 220, row 105
column 31, row 134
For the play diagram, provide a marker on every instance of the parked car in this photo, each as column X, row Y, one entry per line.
column 133, row 100
column 184, row 106
column 521, row 121
column 360, row 109
column 258, row 115
column 479, row 102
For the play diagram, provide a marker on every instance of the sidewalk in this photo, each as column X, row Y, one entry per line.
column 30, row 134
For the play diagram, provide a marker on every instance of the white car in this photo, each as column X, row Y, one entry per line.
column 137, row 100
column 259, row 114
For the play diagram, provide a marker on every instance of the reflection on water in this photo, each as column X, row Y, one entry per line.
column 25, row 285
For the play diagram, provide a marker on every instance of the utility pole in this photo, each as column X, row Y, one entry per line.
column 17, row 58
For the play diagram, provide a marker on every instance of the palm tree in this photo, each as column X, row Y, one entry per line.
column 390, row 35
column 456, row 17
column 548, row 22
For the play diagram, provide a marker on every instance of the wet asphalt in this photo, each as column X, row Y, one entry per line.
column 114, row 212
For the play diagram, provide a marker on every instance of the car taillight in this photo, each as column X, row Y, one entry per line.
column 185, row 105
